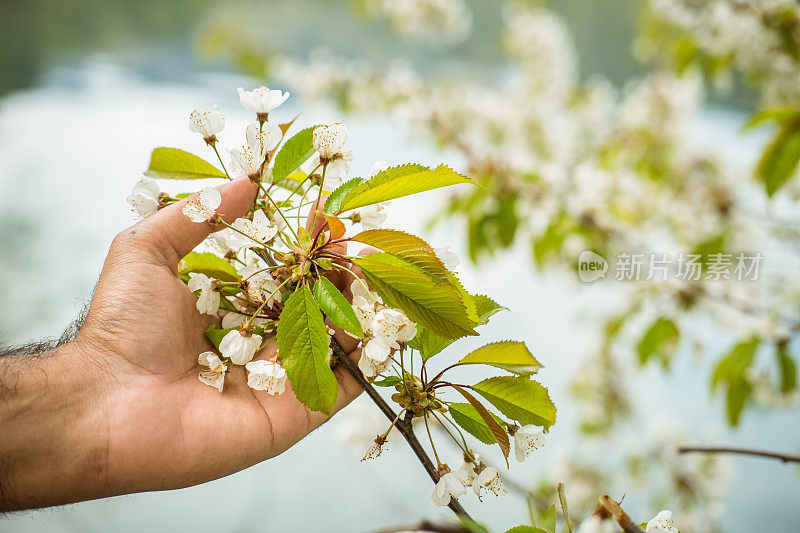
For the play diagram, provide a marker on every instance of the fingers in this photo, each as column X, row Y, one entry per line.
column 173, row 235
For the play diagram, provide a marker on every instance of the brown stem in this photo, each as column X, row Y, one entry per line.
column 785, row 458
column 622, row 518
column 403, row 425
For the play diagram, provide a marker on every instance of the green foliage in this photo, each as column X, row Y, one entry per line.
column 293, row 153
column 174, row 163
column 471, row 526
column 659, row 340
column 431, row 302
column 388, row 381
column 397, row 182
column 512, row 356
column 429, row 344
column 407, row 247
column 334, row 202
column 526, row 529
column 466, row 416
column 787, row 367
column 336, row 307
column 303, row 346
column 519, row 398
column 209, row 264
column 497, row 431
column 731, row 371
column 548, row 519
column 779, row 161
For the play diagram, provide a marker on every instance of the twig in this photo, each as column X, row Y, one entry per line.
column 562, row 498
column 622, row 518
column 785, row 458
column 403, row 425
column 428, row 527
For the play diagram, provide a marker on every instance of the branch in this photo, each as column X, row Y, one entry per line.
column 428, row 527
column 622, row 518
column 403, row 425
column 785, row 458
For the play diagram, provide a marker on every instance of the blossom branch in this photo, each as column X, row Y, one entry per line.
column 614, row 510
column 403, row 425
column 785, row 458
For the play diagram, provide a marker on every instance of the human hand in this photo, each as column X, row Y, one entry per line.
column 138, row 415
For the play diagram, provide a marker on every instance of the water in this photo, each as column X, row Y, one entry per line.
column 71, row 149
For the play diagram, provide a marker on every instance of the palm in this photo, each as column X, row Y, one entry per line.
column 167, row 429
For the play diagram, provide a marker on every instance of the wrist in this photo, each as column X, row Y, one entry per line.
column 54, row 445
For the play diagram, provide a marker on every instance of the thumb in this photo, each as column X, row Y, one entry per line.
column 173, row 235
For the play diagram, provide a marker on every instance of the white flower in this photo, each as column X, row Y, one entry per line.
column 393, row 327
column 372, row 216
column 262, row 99
column 268, row 376
column 249, row 160
column 215, row 373
column 208, row 301
column 595, row 524
column 329, row 140
column 363, row 304
column 239, row 348
column 377, row 168
column 449, row 485
column 258, row 231
column 489, row 478
column 448, row 257
column 526, row 439
column 467, row 473
column 266, row 138
column 662, row 523
column 207, row 122
column 337, row 170
column 202, row 206
column 377, row 349
column 144, row 197
column 260, row 284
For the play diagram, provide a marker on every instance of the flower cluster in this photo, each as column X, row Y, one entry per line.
column 434, row 21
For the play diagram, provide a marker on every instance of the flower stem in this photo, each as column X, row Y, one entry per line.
column 319, row 197
column 214, row 146
column 403, row 425
column 278, row 209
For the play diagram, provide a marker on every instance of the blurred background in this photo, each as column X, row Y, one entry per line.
column 605, row 125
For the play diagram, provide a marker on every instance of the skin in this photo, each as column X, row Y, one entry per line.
column 120, row 409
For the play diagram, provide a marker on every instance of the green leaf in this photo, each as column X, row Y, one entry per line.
column 400, row 181
column 209, row 264
column 293, row 153
column 779, row 161
column 335, row 305
column 407, row 247
column 434, row 304
column 732, row 366
column 471, row 526
column 466, row 416
column 779, row 115
column 429, row 344
column 787, row 367
column 303, row 345
column 548, row 519
column 499, row 434
column 334, row 201
column 519, row 398
column 526, row 529
column 736, row 398
column 174, row 163
column 388, row 381
column 659, row 340
column 512, row 356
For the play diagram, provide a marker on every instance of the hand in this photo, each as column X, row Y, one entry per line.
column 138, row 418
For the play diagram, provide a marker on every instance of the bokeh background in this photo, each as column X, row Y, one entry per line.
column 88, row 88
